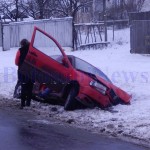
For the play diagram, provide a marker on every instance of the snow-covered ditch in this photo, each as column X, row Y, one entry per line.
column 131, row 72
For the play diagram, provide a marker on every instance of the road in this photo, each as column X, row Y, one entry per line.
column 22, row 130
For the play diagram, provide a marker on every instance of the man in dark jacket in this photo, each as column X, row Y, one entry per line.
column 26, row 83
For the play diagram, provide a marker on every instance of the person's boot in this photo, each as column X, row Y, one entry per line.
column 28, row 102
column 22, row 103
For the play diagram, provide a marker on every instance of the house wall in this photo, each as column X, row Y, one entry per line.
column 60, row 29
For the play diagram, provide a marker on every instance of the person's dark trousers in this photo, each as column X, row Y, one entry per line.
column 29, row 93
column 16, row 94
column 26, row 94
column 23, row 94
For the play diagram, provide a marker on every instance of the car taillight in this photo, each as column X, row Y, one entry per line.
column 98, row 86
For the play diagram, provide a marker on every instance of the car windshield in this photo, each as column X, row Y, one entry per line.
column 86, row 67
column 82, row 65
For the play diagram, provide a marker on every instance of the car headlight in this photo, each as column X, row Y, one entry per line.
column 98, row 86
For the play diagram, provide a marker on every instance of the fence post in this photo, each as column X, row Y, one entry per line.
column 1, row 36
column 105, row 19
column 6, row 37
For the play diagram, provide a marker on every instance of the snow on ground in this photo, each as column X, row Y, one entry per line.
column 131, row 72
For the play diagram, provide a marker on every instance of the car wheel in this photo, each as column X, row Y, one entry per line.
column 70, row 103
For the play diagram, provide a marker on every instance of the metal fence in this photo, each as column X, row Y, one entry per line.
column 140, row 36
column 60, row 29
column 89, row 35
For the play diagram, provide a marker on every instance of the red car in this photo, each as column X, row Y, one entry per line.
column 68, row 78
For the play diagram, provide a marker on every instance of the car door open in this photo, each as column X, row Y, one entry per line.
column 44, row 61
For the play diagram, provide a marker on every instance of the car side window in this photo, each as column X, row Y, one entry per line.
column 46, row 45
column 58, row 58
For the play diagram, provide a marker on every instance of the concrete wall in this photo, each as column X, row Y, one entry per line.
column 60, row 29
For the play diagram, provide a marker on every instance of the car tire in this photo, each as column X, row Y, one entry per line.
column 71, row 102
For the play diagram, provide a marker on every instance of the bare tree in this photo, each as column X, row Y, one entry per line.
column 121, row 8
column 31, row 8
column 66, row 8
column 12, row 10
column 69, row 8
column 5, row 10
column 39, row 9
column 140, row 4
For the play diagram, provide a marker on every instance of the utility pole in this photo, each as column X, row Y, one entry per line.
column 105, row 19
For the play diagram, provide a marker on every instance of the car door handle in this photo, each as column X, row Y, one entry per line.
column 33, row 53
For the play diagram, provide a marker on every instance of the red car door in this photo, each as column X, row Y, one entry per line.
column 46, row 61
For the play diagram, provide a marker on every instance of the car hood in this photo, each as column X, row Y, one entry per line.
column 118, row 91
